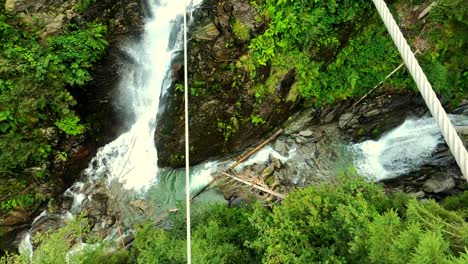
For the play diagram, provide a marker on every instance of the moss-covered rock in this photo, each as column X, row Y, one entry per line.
column 226, row 112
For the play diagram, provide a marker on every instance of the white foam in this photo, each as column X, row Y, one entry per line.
column 263, row 155
column 400, row 151
column 132, row 157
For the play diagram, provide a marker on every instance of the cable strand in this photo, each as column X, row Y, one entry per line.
column 447, row 129
column 187, row 144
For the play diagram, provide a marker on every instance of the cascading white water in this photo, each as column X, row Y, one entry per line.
column 132, row 157
column 402, row 150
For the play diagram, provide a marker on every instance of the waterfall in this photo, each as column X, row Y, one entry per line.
column 402, row 150
column 132, row 158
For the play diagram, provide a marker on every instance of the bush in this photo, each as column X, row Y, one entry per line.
column 219, row 235
column 319, row 224
column 428, row 234
column 34, row 83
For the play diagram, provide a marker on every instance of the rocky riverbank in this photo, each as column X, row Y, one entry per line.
column 316, row 147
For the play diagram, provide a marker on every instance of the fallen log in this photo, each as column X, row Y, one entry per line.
column 256, row 186
column 244, row 158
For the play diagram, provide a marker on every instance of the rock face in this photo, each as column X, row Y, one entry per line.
column 224, row 113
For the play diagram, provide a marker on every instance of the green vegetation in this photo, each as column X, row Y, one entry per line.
column 446, row 61
column 227, row 129
column 241, row 31
column 257, row 120
column 23, row 201
column 351, row 221
column 82, row 5
column 55, row 247
column 36, row 77
column 33, row 87
column 340, row 49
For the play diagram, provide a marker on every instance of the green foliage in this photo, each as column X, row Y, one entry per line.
column 194, row 91
column 226, row 129
column 21, row 201
column 359, row 66
column 35, row 76
column 429, row 234
column 347, row 221
column 82, row 5
column 70, row 125
column 340, row 49
column 10, row 258
column 101, row 254
column 304, row 25
column 446, row 62
column 218, row 236
column 54, row 244
column 257, row 120
column 241, row 31
column 319, row 224
column 456, row 202
column 179, row 87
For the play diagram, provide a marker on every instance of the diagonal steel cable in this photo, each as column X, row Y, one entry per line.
column 435, row 107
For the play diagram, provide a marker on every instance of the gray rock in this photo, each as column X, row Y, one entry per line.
column 299, row 122
column 419, row 194
column 268, row 171
column 438, row 185
column 15, row 217
column 207, row 32
column 258, row 168
column 345, row 119
column 140, row 205
column 280, row 147
column 276, row 162
column 300, row 140
column 237, row 201
column 306, row 133
column 328, row 118
column 372, row 112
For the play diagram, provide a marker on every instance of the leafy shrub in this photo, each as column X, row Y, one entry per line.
column 446, row 61
column 34, row 82
column 456, row 202
column 319, row 224
column 82, row 5
column 55, row 244
column 340, row 49
column 23, row 201
column 70, row 125
column 429, row 234
column 219, row 234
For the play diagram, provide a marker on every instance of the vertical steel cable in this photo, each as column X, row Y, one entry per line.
column 448, row 131
column 187, row 147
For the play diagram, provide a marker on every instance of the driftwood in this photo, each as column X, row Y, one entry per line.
column 120, row 232
column 254, row 185
column 381, row 82
column 427, row 10
column 233, row 166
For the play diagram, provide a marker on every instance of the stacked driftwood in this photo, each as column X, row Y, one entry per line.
column 245, row 183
